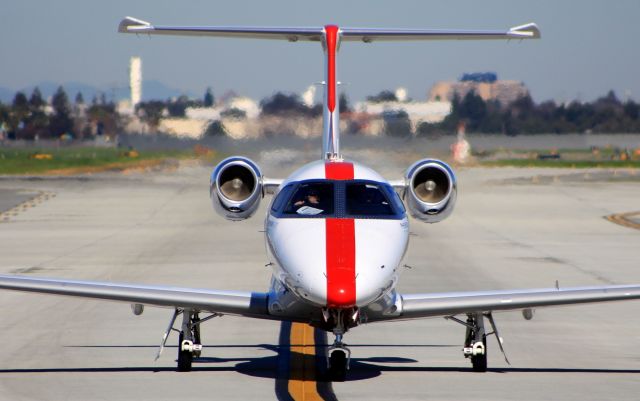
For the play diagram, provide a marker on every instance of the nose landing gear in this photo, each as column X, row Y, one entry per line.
column 338, row 358
column 338, row 355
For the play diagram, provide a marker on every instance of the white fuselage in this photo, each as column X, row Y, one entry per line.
column 343, row 259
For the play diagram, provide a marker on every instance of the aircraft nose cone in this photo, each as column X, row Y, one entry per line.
column 340, row 295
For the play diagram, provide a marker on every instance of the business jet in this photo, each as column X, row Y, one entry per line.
column 336, row 231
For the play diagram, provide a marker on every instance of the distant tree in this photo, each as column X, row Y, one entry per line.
column 397, row 123
column 473, row 109
column 60, row 122
column 177, row 107
column 281, row 103
column 20, row 106
column 234, row 113
column 104, row 117
column 344, row 105
column 383, row 96
column 216, row 128
column 632, row 109
column 36, row 101
column 208, row 98
column 60, row 102
column 79, row 98
column 151, row 112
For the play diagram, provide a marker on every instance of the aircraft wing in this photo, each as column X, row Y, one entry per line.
column 315, row 34
column 448, row 304
column 250, row 304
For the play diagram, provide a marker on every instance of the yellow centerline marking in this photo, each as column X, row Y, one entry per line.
column 623, row 219
column 302, row 367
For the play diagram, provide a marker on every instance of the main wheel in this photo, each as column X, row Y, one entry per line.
column 338, row 365
column 185, row 358
column 196, row 336
column 479, row 362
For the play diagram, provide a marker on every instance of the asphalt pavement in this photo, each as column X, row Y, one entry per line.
column 509, row 230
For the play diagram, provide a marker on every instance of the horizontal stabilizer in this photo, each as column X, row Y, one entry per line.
column 311, row 34
column 367, row 35
column 133, row 25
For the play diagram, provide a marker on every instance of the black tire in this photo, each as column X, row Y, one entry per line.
column 338, row 366
column 185, row 358
column 196, row 337
column 479, row 362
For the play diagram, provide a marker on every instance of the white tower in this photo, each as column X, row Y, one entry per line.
column 309, row 95
column 135, row 80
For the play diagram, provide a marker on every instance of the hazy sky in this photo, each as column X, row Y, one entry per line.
column 587, row 47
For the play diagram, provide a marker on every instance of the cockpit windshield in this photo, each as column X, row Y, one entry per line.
column 312, row 199
column 367, row 200
column 338, row 199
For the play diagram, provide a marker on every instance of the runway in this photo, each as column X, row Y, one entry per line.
column 510, row 230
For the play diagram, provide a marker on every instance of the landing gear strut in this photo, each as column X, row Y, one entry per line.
column 338, row 358
column 475, row 343
column 338, row 355
column 189, row 343
column 475, row 340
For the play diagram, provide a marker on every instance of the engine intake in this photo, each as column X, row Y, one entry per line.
column 430, row 190
column 236, row 188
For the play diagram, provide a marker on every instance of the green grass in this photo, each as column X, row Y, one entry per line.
column 21, row 161
column 562, row 163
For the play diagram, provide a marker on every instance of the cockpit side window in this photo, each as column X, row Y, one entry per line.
column 367, row 199
column 281, row 198
column 311, row 199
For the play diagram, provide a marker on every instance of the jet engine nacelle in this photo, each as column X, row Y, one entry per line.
column 236, row 188
column 430, row 192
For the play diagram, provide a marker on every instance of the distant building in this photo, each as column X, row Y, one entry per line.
column 485, row 85
column 431, row 111
column 135, row 80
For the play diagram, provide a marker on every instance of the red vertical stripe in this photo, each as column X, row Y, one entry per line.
column 341, row 263
column 338, row 171
column 341, row 248
column 331, row 35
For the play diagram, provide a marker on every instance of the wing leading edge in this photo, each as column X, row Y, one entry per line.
column 416, row 306
column 315, row 34
column 250, row 304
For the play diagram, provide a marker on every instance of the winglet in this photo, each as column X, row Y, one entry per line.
column 132, row 25
column 529, row 31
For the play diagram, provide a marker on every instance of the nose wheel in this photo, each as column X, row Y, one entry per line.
column 338, row 358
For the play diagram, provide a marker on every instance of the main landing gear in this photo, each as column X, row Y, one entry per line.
column 189, row 343
column 475, row 340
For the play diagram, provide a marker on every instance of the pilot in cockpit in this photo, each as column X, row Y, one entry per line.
column 311, row 198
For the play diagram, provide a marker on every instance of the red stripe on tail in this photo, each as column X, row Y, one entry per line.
column 331, row 35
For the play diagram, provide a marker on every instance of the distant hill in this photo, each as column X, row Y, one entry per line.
column 151, row 90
